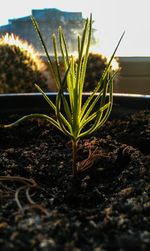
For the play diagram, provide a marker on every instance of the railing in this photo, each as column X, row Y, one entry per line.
column 134, row 77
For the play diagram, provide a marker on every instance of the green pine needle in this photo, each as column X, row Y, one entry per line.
column 77, row 118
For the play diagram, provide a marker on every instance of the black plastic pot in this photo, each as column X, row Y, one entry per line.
column 26, row 103
column 104, row 207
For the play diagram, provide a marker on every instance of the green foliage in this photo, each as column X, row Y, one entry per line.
column 74, row 117
column 20, row 66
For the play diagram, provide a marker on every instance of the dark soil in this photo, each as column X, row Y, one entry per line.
column 106, row 208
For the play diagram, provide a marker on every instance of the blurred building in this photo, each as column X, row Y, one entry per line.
column 49, row 20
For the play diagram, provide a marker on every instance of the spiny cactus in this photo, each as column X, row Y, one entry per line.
column 20, row 66
column 95, row 67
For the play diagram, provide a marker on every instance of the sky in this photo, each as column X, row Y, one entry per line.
column 111, row 19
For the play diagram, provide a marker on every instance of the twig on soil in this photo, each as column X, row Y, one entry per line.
column 89, row 161
column 29, row 183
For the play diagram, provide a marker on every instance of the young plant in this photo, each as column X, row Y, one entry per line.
column 73, row 116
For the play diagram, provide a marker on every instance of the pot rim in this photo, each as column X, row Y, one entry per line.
column 84, row 94
column 34, row 102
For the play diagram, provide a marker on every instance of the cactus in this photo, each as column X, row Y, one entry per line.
column 20, row 66
column 95, row 66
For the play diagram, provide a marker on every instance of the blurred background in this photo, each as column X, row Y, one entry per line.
column 110, row 19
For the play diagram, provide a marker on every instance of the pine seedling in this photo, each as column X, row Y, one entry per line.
column 73, row 116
